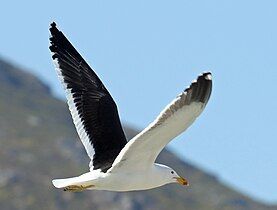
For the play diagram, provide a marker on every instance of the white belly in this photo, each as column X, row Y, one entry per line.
column 115, row 181
column 127, row 182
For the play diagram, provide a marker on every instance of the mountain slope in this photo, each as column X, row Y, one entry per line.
column 38, row 143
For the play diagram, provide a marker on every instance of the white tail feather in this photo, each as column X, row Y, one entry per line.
column 62, row 183
column 84, row 179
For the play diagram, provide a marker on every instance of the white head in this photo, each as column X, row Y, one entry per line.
column 169, row 175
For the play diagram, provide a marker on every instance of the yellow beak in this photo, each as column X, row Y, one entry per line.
column 182, row 181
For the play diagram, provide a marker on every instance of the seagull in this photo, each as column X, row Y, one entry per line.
column 118, row 165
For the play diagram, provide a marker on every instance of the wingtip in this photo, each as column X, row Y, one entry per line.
column 207, row 75
column 53, row 25
column 53, row 33
column 53, row 28
column 200, row 88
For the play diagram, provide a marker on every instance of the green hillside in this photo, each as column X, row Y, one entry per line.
column 38, row 143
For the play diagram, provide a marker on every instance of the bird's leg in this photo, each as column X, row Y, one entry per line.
column 77, row 188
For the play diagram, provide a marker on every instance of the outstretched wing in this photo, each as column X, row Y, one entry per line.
column 141, row 151
column 93, row 110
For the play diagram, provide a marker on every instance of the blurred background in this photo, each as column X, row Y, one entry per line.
column 145, row 52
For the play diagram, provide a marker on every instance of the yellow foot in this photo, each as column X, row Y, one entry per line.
column 77, row 188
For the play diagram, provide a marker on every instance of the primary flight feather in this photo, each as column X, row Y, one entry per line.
column 118, row 165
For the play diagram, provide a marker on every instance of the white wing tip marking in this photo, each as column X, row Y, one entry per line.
column 208, row 77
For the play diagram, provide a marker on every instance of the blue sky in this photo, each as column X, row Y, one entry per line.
column 147, row 52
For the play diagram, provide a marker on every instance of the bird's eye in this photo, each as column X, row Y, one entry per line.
column 172, row 172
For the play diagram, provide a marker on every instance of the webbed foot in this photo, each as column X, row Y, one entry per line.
column 77, row 188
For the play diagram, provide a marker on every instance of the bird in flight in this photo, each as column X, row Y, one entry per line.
column 118, row 165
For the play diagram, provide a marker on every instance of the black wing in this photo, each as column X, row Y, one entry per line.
column 93, row 110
